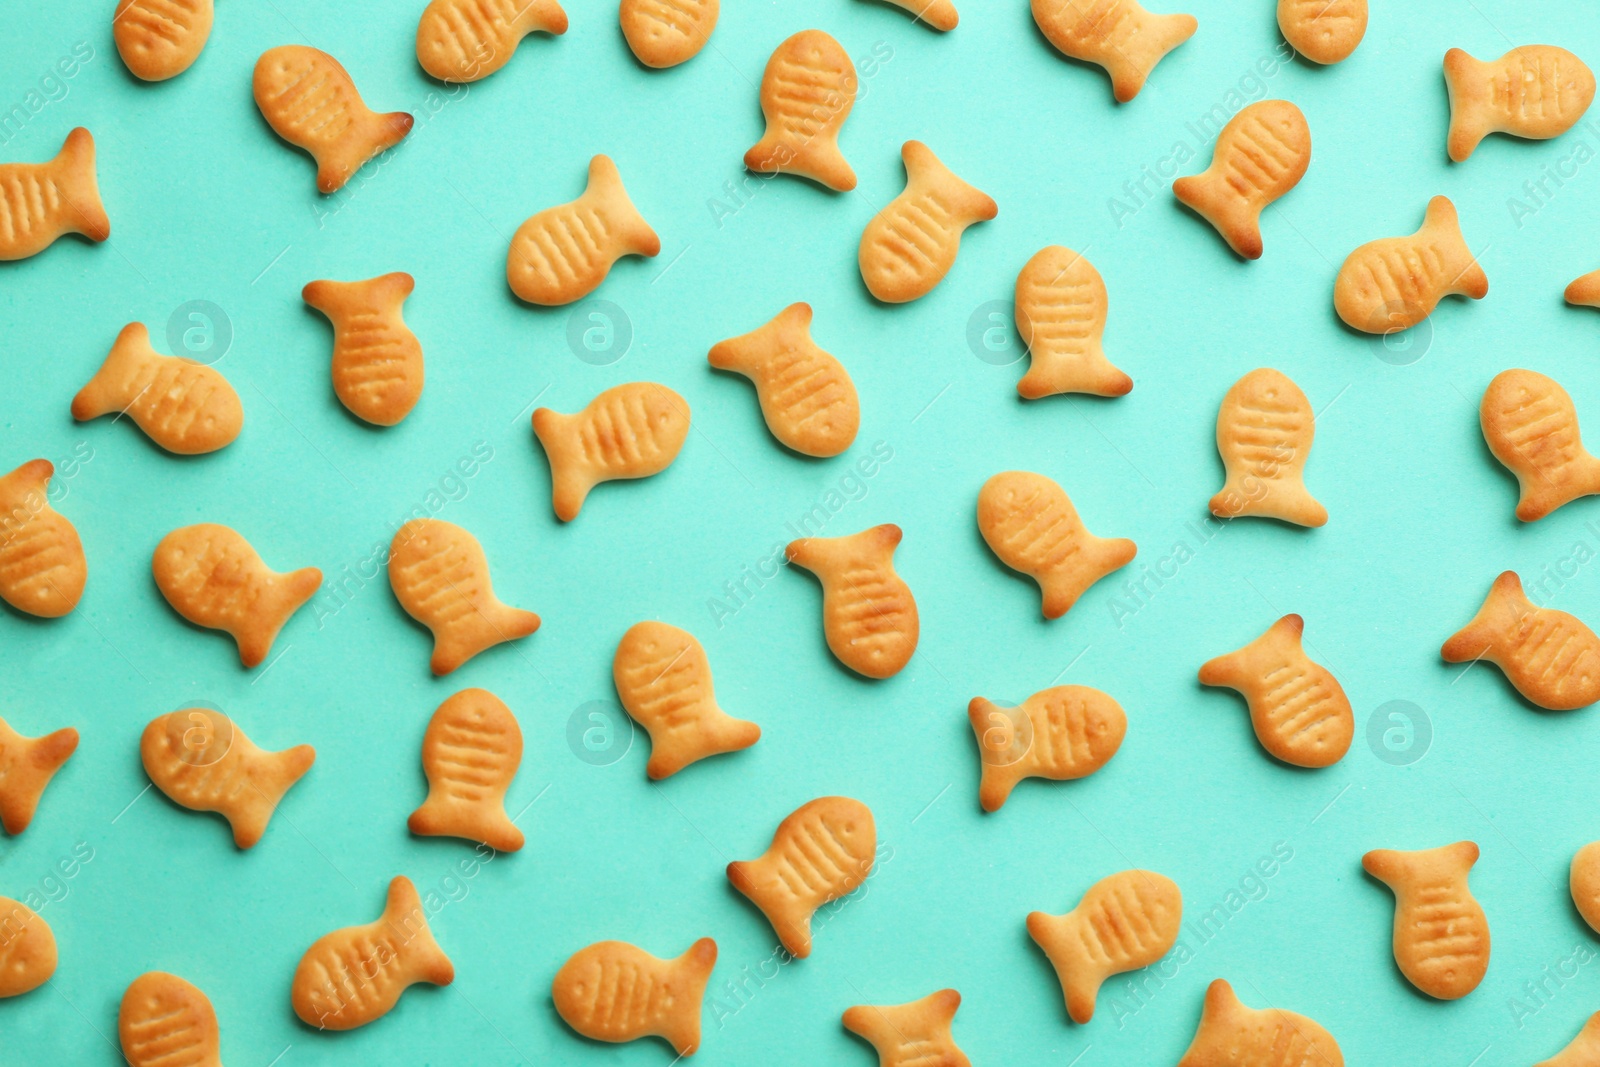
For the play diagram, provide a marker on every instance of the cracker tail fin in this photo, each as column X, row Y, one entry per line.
column 1080, row 980
column 1129, row 62
column 105, row 393
column 297, row 588
column 966, row 202
column 1237, row 221
column 284, row 770
column 999, row 765
column 1504, row 604
column 1443, row 221
column 605, row 185
column 337, row 166
column 542, row 15
column 1098, row 376
column 73, row 169
column 1469, row 121
column 1293, row 502
column 570, row 480
column 1060, row 590
column 694, row 968
column 403, row 913
column 55, row 749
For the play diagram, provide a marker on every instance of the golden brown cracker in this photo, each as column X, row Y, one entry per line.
column 869, row 616
column 213, row 577
column 42, row 566
column 1265, row 426
column 1060, row 309
column 51, row 199
column 1030, row 524
column 1061, row 733
column 1550, row 657
column 807, row 92
column 308, row 99
column 806, row 396
column 160, row 39
column 911, row 1035
column 355, row 975
column 564, row 252
column 26, row 766
column 1119, row 35
column 823, row 850
column 909, row 246
column 465, row 40
column 377, row 360
column 1536, row 91
column 629, row 431
column 1441, row 936
column 166, row 1022
column 1297, row 707
column 203, row 760
column 1394, row 283
column 1531, row 426
column 1260, row 155
column 440, row 576
column 614, row 991
column 663, row 679
column 470, row 753
column 186, row 407
column 1125, row 921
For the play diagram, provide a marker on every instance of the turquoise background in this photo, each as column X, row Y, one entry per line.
column 207, row 204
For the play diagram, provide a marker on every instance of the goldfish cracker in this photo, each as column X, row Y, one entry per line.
column 42, row 566
column 202, row 759
column 807, row 92
column 1537, row 91
column 356, row 975
column 1265, row 426
column 633, row 430
column 1531, row 426
column 1441, row 937
column 1028, row 521
column 807, row 398
column 1550, row 657
column 1298, row 708
column 614, row 991
column 1125, row 921
column 51, row 199
column 909, row 246
column 214, row 578
column 308, row 99
column 563, row 253
column 822, row 851
column 1119, row 35
column 186, row 407
column 1394, row 283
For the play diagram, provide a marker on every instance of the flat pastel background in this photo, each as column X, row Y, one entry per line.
column 207, row 204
